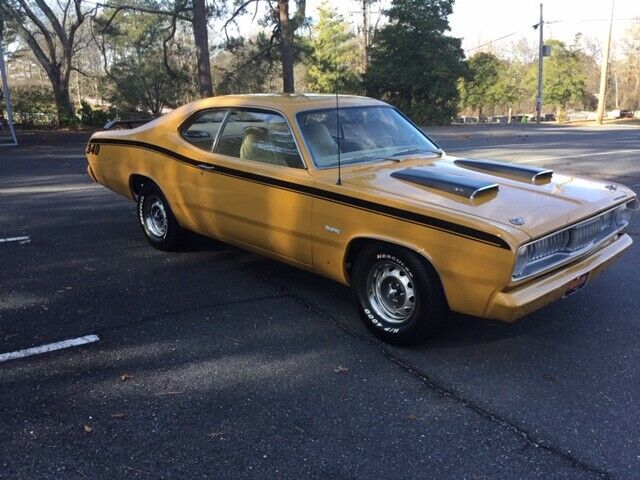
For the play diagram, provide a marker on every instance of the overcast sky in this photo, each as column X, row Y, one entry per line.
column 481, row 21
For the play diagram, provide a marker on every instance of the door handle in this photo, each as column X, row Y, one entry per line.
column 206, row 166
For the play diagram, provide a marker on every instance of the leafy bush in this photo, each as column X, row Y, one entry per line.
column 34, row 106
column 94, row 118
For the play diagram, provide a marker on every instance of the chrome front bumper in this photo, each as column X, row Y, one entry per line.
column 509, row 305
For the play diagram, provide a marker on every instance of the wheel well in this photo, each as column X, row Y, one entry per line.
column 136, row 183
column 357, row 244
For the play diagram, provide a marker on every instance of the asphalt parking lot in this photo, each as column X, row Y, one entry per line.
column 217, row 363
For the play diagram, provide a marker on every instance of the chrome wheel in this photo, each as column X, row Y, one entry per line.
column 391, row 292
column 154, row 217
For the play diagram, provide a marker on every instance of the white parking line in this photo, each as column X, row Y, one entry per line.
column 487, row 147
column 549, row 159
column 48, row 189
column 580, row 155
column 14, row 239
column 50, row 347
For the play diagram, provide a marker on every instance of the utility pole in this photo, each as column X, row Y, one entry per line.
column 540, row 71
column 602, row 96
column 365, row 30
column 5, row 89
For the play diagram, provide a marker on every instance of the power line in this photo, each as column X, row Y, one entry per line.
column 584, row 20
column 493, row 41
column 549, row 22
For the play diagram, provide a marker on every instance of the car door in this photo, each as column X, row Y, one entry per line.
column 252, row 192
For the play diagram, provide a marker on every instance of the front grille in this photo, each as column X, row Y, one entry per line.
column 584, row 235
column 571, row 242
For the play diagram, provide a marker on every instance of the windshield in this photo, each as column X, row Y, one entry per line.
column 366, row 134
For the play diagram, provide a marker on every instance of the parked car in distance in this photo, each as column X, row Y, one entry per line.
column 468, row 119
column 626, row 114
column 362, row 196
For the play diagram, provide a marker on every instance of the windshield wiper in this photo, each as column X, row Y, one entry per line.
column 392, row 158
column 404, row 153
column 411, row 151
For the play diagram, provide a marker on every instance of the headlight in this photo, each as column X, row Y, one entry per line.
column 561, row 247
column 621, row 216
column 522, row 258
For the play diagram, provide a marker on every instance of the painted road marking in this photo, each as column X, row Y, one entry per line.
column 48, row 189
column 54, row 156
column 580, row 155
column 15, row 239
column 488, row 147
column 549, row 159
column 50, row 347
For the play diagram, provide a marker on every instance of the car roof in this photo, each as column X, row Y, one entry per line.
column 289, row 103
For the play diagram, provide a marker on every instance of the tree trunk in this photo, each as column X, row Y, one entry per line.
column 60, row 84
column 201, row 38
column 286, row 46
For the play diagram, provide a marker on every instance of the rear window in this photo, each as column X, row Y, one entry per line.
column 259, row 136
column 202, row 130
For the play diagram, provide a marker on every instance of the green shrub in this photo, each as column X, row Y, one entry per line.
column 93, row 118
column 34, row 106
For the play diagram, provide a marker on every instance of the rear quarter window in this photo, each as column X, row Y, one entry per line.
column 202, row 129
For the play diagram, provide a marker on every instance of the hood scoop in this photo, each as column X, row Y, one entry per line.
column 455, row 184
column 528, row 174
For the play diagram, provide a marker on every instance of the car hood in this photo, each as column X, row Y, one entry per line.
column 536, row 207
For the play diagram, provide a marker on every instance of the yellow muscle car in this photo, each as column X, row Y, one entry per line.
column 360, row 195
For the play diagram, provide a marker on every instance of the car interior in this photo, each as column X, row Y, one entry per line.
column 249, row 135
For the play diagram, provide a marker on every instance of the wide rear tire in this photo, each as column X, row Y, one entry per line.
column 157, row 220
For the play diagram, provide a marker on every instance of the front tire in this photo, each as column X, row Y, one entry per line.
column 156, row 219
column 398, row 294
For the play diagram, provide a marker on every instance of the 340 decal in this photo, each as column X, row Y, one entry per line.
column 93, row 148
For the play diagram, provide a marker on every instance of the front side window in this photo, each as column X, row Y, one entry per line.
column 365, row 134
column 259, row 136
column 201, row 131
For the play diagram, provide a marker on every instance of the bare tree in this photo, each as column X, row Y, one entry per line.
column 52, row 37
column 630, row 67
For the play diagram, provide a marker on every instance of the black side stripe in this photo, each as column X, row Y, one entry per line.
column 413, row 217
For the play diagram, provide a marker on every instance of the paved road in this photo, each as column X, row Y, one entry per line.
column 217, row 363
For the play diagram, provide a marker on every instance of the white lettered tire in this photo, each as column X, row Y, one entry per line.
column 156, row 219
column 398, row 293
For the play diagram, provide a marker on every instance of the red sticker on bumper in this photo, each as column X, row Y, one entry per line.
column 576, row 284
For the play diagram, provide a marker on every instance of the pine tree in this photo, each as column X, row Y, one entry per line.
column 334, row 55
column 414, row 64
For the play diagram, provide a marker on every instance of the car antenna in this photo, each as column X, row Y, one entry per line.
column 339, row 182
